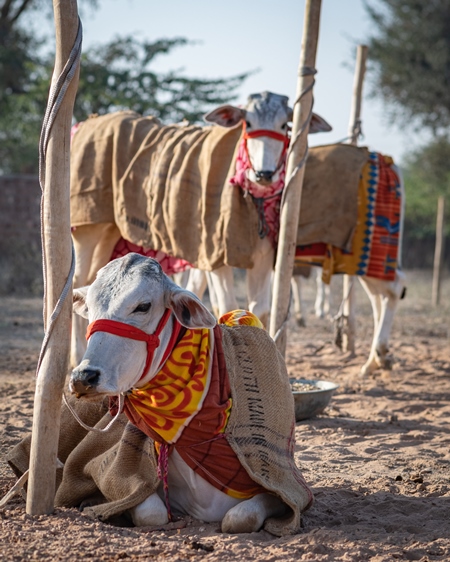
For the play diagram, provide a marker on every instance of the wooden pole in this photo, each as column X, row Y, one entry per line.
column 58, row 252
column 358, row 80
column 438, row 253
column 354, row 129
column 290, row 207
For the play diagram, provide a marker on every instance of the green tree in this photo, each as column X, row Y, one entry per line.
column 427, row 175
column 114, row 76
column 410, row 58
column 410, row 63
column 118, row 76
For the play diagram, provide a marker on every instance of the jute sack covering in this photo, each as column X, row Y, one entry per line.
column 106, row 473
column 329, row 204
column 261, row 428
column 165, row 187
column 117, row 470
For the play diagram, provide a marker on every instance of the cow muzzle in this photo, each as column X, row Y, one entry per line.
column 84, row 381
column 264, row 177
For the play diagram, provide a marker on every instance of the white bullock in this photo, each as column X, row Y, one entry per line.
column 130, row 302
column 383, row 295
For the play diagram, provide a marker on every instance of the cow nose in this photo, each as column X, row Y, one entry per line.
column 82, row 381
column 264, row 175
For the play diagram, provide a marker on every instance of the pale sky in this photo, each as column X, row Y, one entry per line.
column 237, row 36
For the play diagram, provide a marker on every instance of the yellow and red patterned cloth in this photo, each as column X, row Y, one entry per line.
column 188, row 403
column 375, row 242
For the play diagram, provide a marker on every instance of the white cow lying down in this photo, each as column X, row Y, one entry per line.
column 133, row 301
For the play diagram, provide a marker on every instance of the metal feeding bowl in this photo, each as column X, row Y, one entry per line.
column 311, row 397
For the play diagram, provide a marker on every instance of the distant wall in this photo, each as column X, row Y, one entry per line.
column 20, row 235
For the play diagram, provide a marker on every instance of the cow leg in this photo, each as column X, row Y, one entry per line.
column 322, row 302
column 151, row 511
column 259, row 281
column 190, row 494
column 182, row 278
column 222, row 282
column 384, row 296
column 349, row 311
column 212, row 294
column 249, row 515
column 93, row 244
column 296, row 288
column 197, row 282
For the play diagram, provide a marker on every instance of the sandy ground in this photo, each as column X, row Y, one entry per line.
column 378, row 458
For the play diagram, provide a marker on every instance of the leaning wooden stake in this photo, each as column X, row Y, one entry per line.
column 354, row 130
column 290, row 205
column 438, row 253
column 58, row 252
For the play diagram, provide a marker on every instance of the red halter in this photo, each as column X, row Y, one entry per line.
column 285, row 139
column 126, row 331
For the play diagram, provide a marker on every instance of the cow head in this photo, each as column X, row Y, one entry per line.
column 131, row 291
column 264, row 112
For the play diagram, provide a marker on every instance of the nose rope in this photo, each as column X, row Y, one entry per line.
column 95, row 429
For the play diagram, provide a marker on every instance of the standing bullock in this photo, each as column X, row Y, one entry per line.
column 167, row 188
column 208, row 395
column 350, row 222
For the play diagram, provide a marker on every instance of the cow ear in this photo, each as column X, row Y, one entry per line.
column 79, row 301
column 188, row 309
column 225, row 116
column 318, row 125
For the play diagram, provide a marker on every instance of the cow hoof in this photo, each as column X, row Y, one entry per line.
column 249, row 516
column 301, row 322
column 386, row 362
column 240, row 519
column 151, row 511
column 368, row 368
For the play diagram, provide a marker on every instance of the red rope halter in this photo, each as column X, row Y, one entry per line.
column 285, row 139
column 127, row 331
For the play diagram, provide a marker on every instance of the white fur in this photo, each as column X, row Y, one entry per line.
column 191, row 495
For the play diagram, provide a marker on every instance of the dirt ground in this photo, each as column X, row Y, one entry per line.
column 378, row 458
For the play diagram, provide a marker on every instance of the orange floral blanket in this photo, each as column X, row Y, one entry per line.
column 187, row 406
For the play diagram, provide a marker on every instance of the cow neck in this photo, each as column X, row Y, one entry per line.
column 124, row 330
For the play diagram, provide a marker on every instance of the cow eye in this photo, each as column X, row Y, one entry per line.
column 284, row 126
column 143, row 307
column 248, row 124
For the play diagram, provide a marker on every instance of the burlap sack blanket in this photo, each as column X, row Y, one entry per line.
column 164, row 188
column 118, row 468
column 329, row 204
column 167, row 188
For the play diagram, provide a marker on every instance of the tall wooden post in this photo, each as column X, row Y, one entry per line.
column 354, row 125
column 290, row 206
column 58, row 251
column 438, row 253
column 354, row 129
